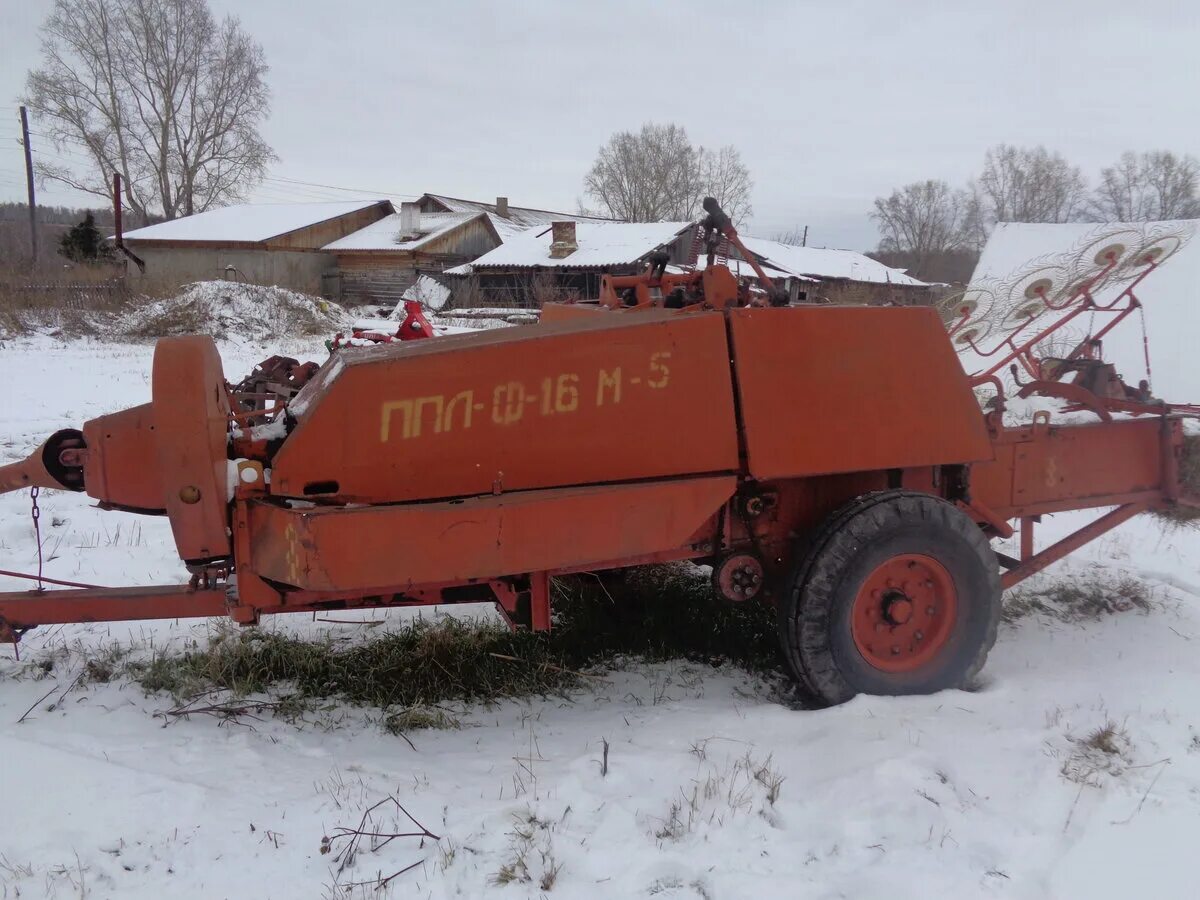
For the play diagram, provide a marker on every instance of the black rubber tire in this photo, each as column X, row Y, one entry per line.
column 814, row 623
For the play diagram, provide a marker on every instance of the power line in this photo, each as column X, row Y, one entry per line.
column 350, row 190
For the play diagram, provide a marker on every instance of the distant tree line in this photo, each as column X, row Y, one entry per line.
column 54, row 215
column 82, row 228
column 935, row 230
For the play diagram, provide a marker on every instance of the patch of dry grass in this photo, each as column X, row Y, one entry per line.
column 656, row 613
column 1181, row 516
column 1079, row 599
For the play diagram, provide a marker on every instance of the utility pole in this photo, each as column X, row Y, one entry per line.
column 33, row 239
column 804, row 240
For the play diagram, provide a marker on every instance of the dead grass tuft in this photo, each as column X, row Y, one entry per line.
column 1179, row 515
column 1078, row 600
column 1105, row 738
column 655, row 614
column 1105, row 750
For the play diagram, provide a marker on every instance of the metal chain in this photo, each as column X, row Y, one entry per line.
column 1145, row 344
column 37, row 532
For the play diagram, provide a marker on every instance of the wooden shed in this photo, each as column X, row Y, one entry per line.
column 377, row 264
column 269, row 243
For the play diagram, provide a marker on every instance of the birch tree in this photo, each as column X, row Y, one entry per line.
column 157, row 90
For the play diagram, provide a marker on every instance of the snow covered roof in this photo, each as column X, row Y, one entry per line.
column 249, row 223
column 600, row 244
column 507, row 229
column 742, row 268
column 521, row 217
column 386, row 233
column 823, row 263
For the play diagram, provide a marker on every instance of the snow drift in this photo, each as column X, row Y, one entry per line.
column 226, row 309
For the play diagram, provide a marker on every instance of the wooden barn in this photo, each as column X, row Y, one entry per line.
column 271, row 243
column 377, row 264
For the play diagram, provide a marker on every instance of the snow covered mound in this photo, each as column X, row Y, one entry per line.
column 227, row 309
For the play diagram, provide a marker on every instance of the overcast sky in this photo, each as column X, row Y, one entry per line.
column 831, row 104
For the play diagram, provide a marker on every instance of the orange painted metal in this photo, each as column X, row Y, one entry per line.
column 590, row 400
column 904, row 612
column 191, row 429
column 846, row 389
column 562, row 312
column 22, row 609
column 27, row 473
column 1043, row 469
column 122, row 467
column 1071, row 543
column 408, row 545
column 715, row 287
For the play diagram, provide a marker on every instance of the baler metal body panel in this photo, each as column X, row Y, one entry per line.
column 1050, row 468
column 835, row 389
column 408, row 545
column 594, row 400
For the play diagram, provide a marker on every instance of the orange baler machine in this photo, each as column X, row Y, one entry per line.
column 477, row 467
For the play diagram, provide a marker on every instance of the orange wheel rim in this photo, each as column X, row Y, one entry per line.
column 904, row 612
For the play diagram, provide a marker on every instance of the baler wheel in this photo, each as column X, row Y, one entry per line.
column 899, row 593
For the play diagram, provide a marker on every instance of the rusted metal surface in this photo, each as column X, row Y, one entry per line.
column 845, row 389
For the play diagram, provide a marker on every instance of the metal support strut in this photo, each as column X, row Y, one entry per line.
column 1035, row 562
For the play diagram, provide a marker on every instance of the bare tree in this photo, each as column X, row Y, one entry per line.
column 1020, row 184
column 656, row 174
column 724, row 176
column 922, row 222
column 157, row 90
column 1148, row 187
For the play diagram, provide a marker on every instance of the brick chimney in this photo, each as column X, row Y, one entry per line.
column 502, row 207
column 410, row 219
column 563, row 242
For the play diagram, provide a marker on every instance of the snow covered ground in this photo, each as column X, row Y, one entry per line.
column 711, row 790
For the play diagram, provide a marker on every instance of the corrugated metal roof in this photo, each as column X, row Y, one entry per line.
column 823, row 263
column 249, row 223
column 519, row 216
column 600, row 244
